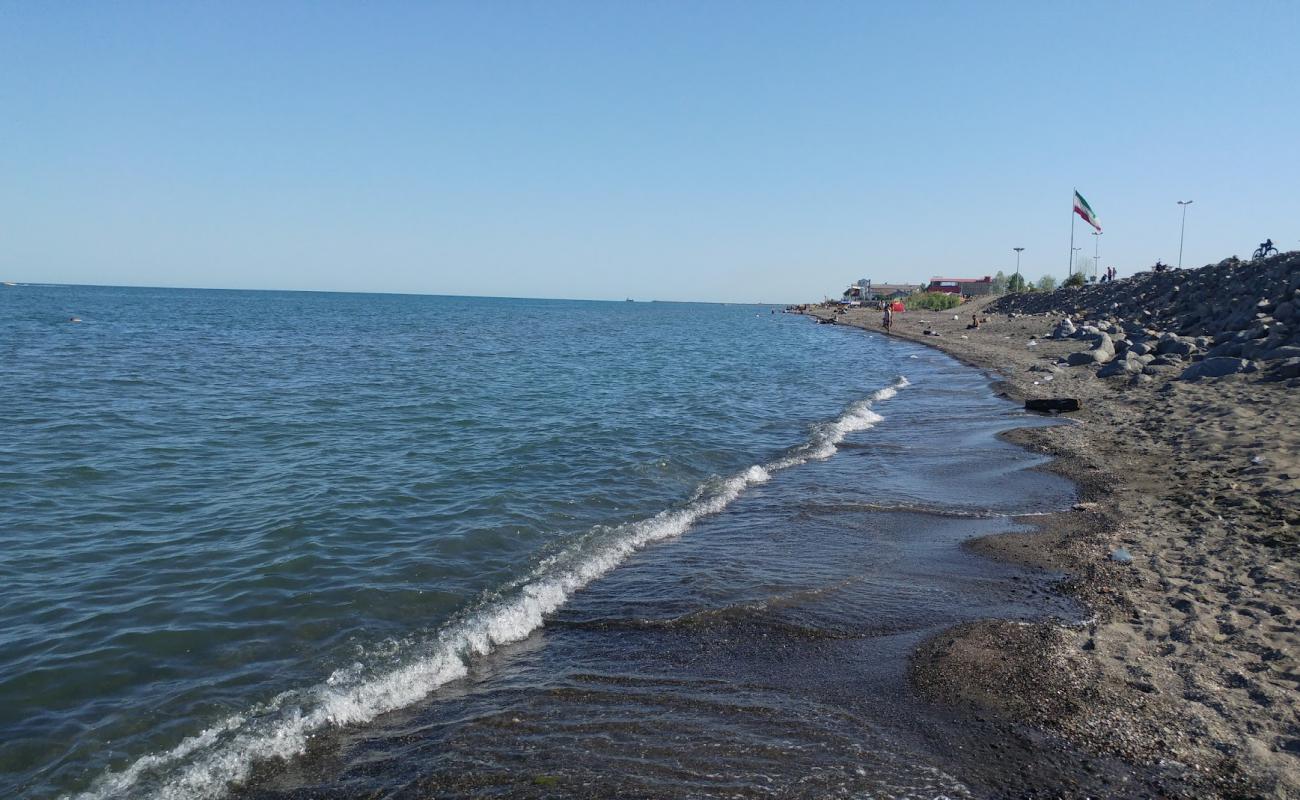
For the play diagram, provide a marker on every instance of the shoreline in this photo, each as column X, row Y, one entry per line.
column 1187, row 663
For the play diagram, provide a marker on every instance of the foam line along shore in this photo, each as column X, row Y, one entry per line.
column 203, row 766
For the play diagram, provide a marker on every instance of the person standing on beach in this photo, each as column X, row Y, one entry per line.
column 889, row 317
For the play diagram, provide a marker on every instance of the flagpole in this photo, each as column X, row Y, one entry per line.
column 1070, row 264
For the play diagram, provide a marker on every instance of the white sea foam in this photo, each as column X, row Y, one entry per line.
column 202, row 766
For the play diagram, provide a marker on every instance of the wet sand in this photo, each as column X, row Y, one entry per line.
column 1188, row 663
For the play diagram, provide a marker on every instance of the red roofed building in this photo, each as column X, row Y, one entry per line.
column 966, row 287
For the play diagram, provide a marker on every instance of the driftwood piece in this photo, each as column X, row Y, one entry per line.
column 1053, row 404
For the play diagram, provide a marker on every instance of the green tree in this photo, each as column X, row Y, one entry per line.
column 1076, row 279
column 1016, row 283
column 999, row 283
column 931, row 301
column 1046, row 283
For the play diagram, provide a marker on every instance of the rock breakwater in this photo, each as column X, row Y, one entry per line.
column 1226, row 318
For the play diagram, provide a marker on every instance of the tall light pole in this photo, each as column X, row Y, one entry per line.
column 1018, row 252
column 1096, row 252
column 1182, row 230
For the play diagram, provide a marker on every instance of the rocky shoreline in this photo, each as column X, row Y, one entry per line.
column 1186, row 543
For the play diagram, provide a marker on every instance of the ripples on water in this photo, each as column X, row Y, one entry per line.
column 238, row 521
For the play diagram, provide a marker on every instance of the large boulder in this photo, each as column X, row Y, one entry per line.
column 1258, row 331
column 1214, row 368
column 1284, row 351
column 1122, row 367
column 1229, row 349
column 1158, row 370
column 1102, row 352
column 1286, row 370
column 1172, row 344
column 1064, row 329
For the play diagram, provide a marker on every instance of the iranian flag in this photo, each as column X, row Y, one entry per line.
column 1084, row 210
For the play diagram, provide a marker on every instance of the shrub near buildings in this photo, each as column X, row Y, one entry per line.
column 932, row 301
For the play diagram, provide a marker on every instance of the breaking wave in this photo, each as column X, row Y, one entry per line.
column 203, row 766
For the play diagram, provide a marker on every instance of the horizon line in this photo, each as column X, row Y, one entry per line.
column 17, row 283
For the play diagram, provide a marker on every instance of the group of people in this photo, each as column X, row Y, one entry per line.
column 1109, row 275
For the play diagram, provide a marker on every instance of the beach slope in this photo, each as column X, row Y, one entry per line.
column 1184, row 547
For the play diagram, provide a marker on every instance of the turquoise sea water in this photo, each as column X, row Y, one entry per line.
column 242, row 525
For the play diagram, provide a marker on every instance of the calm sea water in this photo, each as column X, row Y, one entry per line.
column 281, row 543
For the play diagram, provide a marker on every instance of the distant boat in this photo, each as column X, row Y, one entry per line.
column 629, row 300
column 7, row 283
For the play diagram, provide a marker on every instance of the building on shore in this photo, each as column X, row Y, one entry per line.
column 856, row 293
column 895, row 291
column 966, row 287
column 864, row 291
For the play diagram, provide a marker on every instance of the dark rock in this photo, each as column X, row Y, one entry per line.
column 1213, row 368
column 1286, row 370
column 1166, row 342
column 1088, row 357
column 1121, row 367
column 1225, row 349
column 1064, row 329
column 1157, row 369
column 1283, row 352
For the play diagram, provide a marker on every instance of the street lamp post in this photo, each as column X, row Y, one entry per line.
column 1018, row 252
column 1096, row 252
column 1182, row 230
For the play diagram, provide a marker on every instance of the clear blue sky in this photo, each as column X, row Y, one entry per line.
column 673, row 150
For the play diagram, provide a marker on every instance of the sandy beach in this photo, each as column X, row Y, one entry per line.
column 1184, row 544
